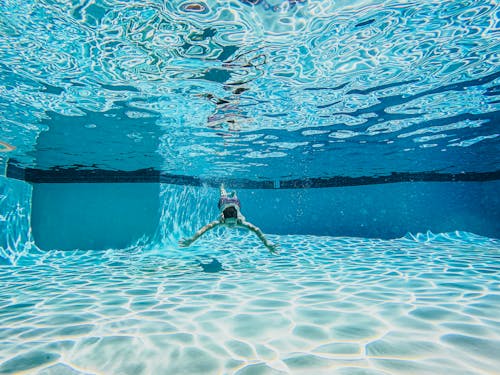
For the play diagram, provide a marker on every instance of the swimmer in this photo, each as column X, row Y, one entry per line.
column 229, row 206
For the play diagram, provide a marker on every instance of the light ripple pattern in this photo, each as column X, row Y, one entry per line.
column 209, row 74
column 424, row 303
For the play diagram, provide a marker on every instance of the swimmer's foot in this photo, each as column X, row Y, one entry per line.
column 222, row 189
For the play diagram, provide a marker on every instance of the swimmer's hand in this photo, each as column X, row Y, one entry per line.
column 273, row 249
column 185, row 242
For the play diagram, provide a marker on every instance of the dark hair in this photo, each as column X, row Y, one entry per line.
column 230, row 212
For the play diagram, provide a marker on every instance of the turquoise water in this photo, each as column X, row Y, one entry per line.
column 362, row 137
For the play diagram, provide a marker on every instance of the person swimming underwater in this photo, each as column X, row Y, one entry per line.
column 229, row 206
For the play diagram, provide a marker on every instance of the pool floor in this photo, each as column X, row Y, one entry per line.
column 226, row 306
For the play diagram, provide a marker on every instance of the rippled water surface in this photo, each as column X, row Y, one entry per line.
column 417, row 305
column 251, row 88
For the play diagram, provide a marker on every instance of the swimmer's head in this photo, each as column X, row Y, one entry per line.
column 230, row 212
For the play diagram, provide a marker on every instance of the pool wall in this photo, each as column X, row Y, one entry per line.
column 93, row 216
column 378, row 211
column 100, row 216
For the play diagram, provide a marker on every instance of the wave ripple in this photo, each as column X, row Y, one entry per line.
column 216, row 75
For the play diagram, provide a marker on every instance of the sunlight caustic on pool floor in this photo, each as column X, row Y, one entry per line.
column 426, row 304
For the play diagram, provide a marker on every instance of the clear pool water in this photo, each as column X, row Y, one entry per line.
column 362, row 137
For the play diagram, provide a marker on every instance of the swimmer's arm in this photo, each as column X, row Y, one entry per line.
column 270, row 246
column 188, row 241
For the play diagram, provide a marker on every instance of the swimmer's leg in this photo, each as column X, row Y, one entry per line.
column 223, row 192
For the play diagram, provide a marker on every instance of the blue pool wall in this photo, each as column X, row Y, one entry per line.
column 104, row 215
column 93, row 216
column 379, row 211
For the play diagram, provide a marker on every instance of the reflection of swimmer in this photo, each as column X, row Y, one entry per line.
column 228, row 114
column 5, row 147
column 230, row 123
column 229, row 205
